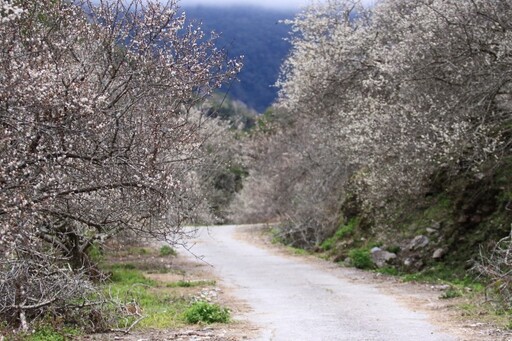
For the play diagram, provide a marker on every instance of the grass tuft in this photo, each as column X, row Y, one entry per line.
column 166, row 250
column 190, row 284
column 361, row 258
column 204, row 312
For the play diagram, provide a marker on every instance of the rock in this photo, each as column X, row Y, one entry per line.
column 412, row 264
column 436, row 225
column 479, row 176
column 441, row 287
column 431, row 230
column 381, row 257
column 348, row 262
column 439, row 253
column 419, row 242
column 408, row 262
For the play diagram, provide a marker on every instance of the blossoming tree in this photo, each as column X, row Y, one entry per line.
column 96, row 135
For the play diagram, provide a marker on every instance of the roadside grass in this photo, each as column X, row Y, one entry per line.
column 163, row 303
column 469, row 293
column 143, row 294
column 190, row 284
column 298, row 251
column 471, row 296
column 166, row 250
column 205, row 312
column 49, row 333
column 343, row 231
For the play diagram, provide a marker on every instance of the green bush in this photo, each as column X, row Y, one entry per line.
column 346, row 230
column 166, row 250
column 361, row 258
column 327, row 244
column 343, row 231
column 204, row 312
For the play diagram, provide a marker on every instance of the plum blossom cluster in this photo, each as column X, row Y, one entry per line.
column 375, row 100
column 96, row 132
column 9, row 11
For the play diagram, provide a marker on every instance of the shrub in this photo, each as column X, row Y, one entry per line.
column 204, row 312
column 361, row 258
column 342, row 232
column 346, row 230
column 166, row 250
column 327, row 244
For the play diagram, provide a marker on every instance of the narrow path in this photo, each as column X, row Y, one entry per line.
column 294, row 300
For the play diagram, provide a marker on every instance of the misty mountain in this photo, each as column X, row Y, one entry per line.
column 255, row 33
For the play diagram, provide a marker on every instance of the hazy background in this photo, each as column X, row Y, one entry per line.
column 251, row 28
column 279, row 4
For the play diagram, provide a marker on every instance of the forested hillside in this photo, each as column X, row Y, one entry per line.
column 391, row 137
column 256, row 34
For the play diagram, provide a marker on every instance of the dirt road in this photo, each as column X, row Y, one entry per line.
column 291, row 299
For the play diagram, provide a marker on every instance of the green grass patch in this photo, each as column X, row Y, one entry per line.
column 204, row 312
column 328, row 244
column 347, row 229
column 344, row 231
column 166, row 251
column 298, row 251
column 361, row 258
column 446, row 275
column 128, row 274
column 48, row 333
column 276, row 237
column 190, row 284
column 162, row 310
column 388, row 271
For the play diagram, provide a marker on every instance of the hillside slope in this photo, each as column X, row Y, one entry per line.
column 257, row 34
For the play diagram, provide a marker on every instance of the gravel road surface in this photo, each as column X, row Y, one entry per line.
column 291, row 299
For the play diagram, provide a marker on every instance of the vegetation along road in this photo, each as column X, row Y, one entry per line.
column 295, row 299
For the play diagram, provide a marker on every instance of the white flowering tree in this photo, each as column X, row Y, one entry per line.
column 383, row 97
column 96, row 136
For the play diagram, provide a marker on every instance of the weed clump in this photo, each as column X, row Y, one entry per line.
column 361, row 258
column 343, row 232
column 166, row 250
column 189, row 284
column 204, row 312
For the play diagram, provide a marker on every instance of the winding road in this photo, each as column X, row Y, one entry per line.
column 292, row 299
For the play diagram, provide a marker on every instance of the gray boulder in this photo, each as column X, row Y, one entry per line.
column 381, row 257
column 419, row 242
column 439, row 253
